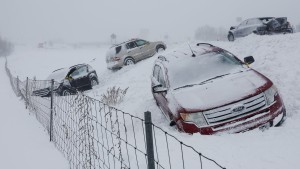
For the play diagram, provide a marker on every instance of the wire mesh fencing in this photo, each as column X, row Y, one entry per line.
column 93, row 135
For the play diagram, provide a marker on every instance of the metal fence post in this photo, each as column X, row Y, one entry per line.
column 149, row 140
column 26, row 93
column 51, row 110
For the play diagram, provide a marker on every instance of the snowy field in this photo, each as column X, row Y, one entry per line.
column 24, row 143
column 275, row 56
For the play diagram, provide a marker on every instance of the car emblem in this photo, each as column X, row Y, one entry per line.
column 237, row 109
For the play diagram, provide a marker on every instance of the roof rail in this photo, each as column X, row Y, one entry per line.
column 198, row 44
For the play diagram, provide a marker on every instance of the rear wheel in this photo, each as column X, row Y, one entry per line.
column 160, row 48
column 230, row 37
column 65, row 92
column 129, row 61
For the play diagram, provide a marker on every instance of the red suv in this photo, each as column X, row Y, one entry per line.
column 205, row 89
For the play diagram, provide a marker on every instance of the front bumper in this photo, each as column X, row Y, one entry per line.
column 270, row 114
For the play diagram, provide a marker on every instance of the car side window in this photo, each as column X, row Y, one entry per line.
column 130, row 45
column 140, row 42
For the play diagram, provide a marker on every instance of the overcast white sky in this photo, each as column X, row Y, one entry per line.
column 96, row 20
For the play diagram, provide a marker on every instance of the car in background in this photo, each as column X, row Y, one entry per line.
column 260, row 26
column 205, row 89
column 132, row 51
column 68, row 81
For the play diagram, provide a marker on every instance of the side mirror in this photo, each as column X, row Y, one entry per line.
column 233, row 27
column 248, row 60
column 159, row 89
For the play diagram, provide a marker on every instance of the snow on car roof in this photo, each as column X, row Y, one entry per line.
column 187, row 50
column 209, row 61
column 118, row 44
column 61, row 73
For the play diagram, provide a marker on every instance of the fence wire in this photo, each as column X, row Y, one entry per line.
column 93, row 135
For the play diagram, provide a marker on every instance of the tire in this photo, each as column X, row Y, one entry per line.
column 94, row 82
column 160, row 48
column 230, row 37
column 65, row 92
column 129, row 61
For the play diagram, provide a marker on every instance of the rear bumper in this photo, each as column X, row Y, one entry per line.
column 271, row 114
column 114, row 65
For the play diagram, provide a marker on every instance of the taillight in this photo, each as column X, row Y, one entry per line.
column 116, row 58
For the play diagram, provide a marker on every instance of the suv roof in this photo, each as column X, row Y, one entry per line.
column 74, row 66
column 124, row 42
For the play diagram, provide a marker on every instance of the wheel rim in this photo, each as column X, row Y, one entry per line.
column 66, row 93
column 94, row 83
column 129, row 62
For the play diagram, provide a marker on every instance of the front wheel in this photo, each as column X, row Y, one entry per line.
column 94, row 82
column 230, row 37
column 160, row 49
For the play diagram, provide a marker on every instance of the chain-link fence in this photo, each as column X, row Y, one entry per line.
column 93, row 135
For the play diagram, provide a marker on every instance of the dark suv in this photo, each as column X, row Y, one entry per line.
column 208, row 90
column 260, row 26
column 68, row 80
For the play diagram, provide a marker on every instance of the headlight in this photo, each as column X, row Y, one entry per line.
column 196, row 118
column 270, row 94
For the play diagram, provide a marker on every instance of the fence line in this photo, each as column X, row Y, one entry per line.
column 93, row 135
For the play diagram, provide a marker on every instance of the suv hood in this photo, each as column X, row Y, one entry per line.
column 220, row 91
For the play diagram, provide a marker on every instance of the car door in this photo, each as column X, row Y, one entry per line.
column 80, row 77
column 83, row 79
column 133, row 50
column 160, row 78
column 145, row 48
column 240, row 31
column 251, row 26
column 72, row 76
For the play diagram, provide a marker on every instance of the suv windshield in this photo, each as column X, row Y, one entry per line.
column 196, row 70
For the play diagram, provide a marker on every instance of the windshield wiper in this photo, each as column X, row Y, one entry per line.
column 205, row 81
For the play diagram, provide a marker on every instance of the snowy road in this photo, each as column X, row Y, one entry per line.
column 278, row 57
column 23, row 141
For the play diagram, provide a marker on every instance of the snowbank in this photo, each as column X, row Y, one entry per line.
column 276, row 57
column 23, row 142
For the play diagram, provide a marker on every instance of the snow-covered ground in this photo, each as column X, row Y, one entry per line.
column 276, row 56
column 23, row 141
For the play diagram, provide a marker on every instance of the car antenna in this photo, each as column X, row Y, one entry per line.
column 193, row 54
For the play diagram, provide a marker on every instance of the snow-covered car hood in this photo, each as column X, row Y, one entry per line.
column 220, row 91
